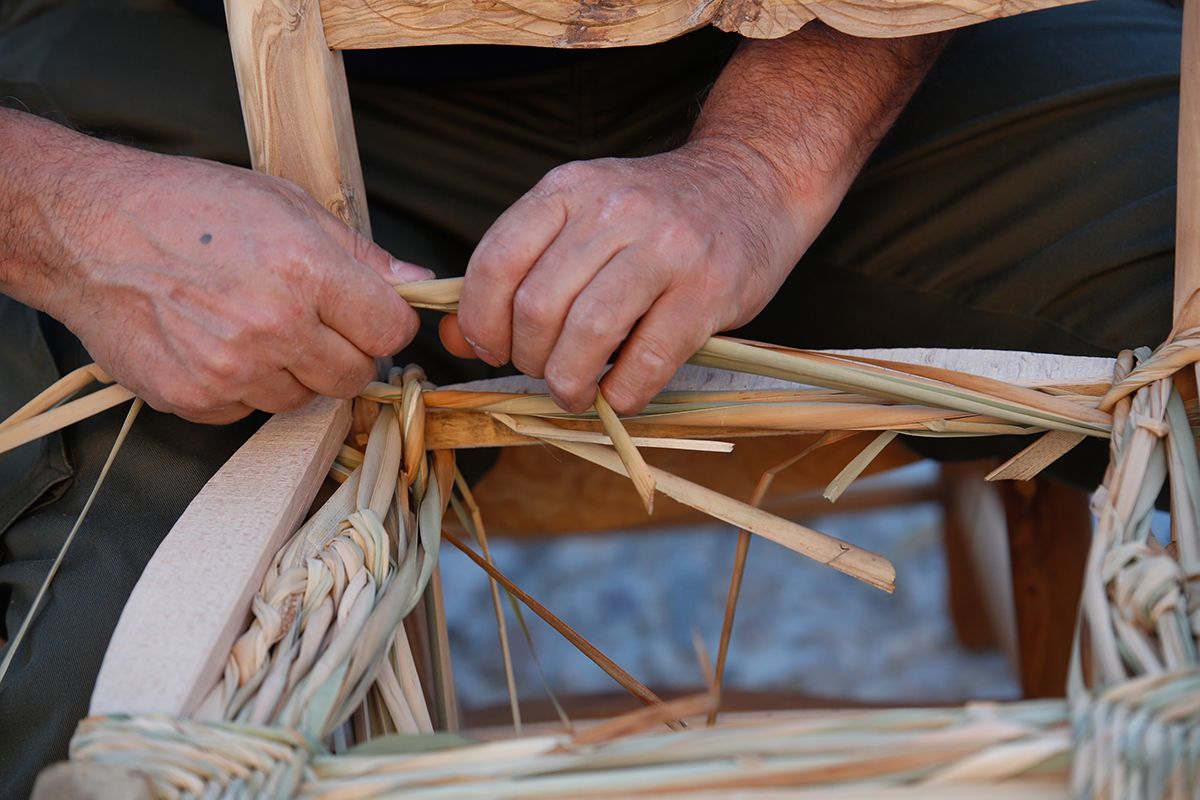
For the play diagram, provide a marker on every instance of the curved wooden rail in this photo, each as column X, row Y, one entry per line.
column 364, row 24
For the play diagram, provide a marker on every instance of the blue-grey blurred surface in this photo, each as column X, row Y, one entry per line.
column 801, row 628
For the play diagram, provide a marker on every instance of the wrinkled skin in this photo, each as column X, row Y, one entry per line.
column 211, row 291
column 658, row 253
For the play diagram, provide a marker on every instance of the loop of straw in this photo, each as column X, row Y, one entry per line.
column 1182, row 350
column 326, row 643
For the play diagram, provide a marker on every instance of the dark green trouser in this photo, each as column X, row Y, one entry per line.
column 1025, row 200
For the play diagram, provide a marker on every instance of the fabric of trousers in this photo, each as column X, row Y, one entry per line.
column 1024, row 200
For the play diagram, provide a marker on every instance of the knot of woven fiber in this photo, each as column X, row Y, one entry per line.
column 1145, row 583
column 411, row 411
column 201, row 759
column 1139, row 738
column 1181, row 350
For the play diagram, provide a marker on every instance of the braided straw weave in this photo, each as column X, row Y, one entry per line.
column 326, row 639
column 1135, row 681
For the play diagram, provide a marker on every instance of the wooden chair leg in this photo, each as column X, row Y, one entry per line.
column 1049, row 532
column 969, row 526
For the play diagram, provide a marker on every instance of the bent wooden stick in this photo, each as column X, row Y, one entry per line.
column 189, row 606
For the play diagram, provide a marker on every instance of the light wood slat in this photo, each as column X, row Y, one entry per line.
column 189, row 606
column 1187, row 214
column 295, row 103
column 363, row 24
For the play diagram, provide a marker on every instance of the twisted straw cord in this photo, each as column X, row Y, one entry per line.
column 1182, row 350
column 338, row 590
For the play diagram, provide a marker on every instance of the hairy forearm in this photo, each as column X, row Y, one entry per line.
column 812, row 106
column 45, row 188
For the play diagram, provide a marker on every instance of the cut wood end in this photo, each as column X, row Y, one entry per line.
column 870, row 568
column 1030, row 462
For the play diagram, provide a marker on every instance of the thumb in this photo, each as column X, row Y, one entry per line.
column 453, row 339
column 366, row 252
column 406, row 272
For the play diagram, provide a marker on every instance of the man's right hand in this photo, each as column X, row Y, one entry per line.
column 208, row 290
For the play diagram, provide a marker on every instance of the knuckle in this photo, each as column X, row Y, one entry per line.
column 627, row 400
column 566, row 175
column 271, row 321
column 293, row 259
column 568, row 387
column 353, row 378
column 496, row 257
column 394, row 334
column 681, row 237
column 626, row 201
column 222, row 367
column 533, row 307
column 652, row 353
column 597, row 321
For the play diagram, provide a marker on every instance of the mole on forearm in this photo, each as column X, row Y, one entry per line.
column 205, row 238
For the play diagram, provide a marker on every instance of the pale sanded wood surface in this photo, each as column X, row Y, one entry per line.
column 1088, row 373
column 190, row 604
column 355, row 24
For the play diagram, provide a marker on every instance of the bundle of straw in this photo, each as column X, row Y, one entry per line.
column 1018, row 750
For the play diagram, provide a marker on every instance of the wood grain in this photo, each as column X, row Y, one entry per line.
column 359, row 24
column 1187, row 214
column 1049, row 532
column 181, row 620
column 296, row 104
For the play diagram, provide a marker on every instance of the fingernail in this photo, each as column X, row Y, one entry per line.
column 558, row 401
column 484, row 354
column 408, row 273
column 487, row 357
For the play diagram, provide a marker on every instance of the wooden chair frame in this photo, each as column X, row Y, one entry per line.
column 173, row 637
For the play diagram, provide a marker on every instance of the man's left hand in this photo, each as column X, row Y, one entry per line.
column 658, row 253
